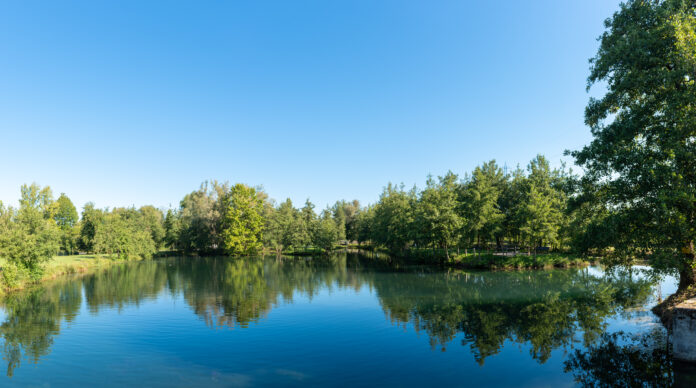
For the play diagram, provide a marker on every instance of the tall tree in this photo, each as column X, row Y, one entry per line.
column 540, row 210
column 326, row 232
column 66, row 214
column 307, row 224
column 480, row 202
column 283, row 227
column 201, row 218
column 172, row 228
column 438, row 211
column 66, row 218
column 154, row 223
column 242, row 221
column 644, row 128
column 393, row 222
column 32, row 237
column 91, row 217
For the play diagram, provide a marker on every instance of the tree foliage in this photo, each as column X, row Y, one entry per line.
column 242, row 221
column 640, row 164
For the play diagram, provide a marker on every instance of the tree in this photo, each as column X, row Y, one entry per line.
column 644, row 127
column 154, row 222
column 394, row 218
column 512, row 195
column 201, row 218
column 539, row 212
column 66, row 218
column 242, row 221
column 283, row 227
column 326, row 233
column 91, row 217
column 363, row 224
column 66, row 215
column 172, row 229
column 352, row 211
column 480, row 202
column 36, row 198
column 31, row 236
column 338, row 212
column 119, row 232
column 307, row 224
column 438, row 212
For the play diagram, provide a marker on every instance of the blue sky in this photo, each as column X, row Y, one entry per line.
column 133, row 102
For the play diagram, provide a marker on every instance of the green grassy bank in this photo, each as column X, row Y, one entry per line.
column 520, row 261
column 65, row 265
column 492, row 261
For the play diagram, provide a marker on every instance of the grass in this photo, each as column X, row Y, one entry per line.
column 69, row 264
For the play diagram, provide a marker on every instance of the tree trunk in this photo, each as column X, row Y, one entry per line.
column 687, row 277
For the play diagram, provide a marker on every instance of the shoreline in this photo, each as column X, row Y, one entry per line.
column 60, row 266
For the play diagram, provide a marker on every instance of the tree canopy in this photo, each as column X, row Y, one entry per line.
column 641, row 163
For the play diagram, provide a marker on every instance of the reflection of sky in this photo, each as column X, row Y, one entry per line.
column 338, row 336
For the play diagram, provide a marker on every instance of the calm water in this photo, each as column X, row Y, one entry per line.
column 343, row 321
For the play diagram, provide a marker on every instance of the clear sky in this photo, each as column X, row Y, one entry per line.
column 138, row 102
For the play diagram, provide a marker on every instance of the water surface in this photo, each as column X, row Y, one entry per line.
column 341, row 321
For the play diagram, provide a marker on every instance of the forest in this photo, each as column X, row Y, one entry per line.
column 486, row 209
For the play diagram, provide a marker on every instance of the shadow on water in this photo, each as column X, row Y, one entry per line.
column 544, row 310
column 623, row 360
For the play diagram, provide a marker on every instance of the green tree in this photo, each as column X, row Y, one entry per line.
column 31, row 236
column 91, row 217
column 338, row 212
column 393, row 220
column 66, row 215
column 119, row 232
column 438, row 212
column 307, row 224
column 644, row 128
column 172, row 229
column 512, row 195
column 540, row 210
column 480, row 202
column 201, row 218
column 154, row 222
column 66, row 218
column 363, row 224
column 283, row 227
column 326, row 233
column 242, row 221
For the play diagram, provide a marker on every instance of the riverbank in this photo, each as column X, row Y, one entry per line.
column 520, row 261
column 65, row 265
column 665, row 309
column 488, row 260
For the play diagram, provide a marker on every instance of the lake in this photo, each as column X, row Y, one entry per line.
column 347, row 320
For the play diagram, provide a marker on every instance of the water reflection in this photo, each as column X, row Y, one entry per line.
column 33, row 318
column 545, row 310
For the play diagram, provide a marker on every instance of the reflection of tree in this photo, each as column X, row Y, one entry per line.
column 33, row 318
column 124, row 284
column 542, row 309
column 618, row 360
column 231, row 292
column 225, row 292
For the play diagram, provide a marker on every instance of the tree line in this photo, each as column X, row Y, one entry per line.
column 483, row 209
